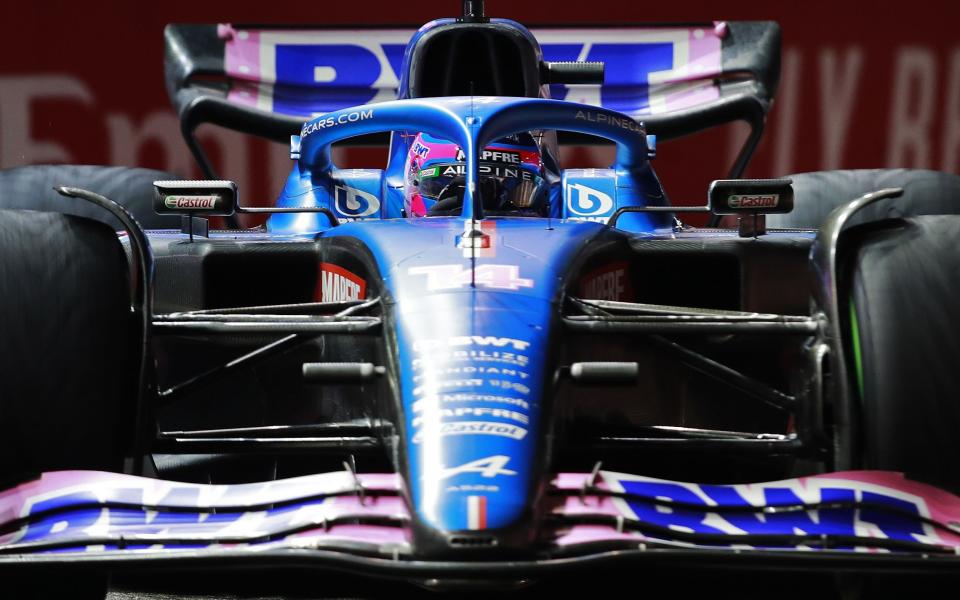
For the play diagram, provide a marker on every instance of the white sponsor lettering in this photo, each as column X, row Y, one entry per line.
column 500, row 156
column 471, row 370
column 489, row 467
column 479, row 487
column 485, row 356
column 514, row 432
column 490, row 169
column 472, row 411
column 469, row 397
column 451, row 277
column 623, row 122
column 509, row 385
column 337, row 288
column 436, row 386
column 339, row 285
column 470, row 340
column 331, row 121
column 491, row 356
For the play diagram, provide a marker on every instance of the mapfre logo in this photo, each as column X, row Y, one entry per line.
column 611, row 282
column 489, row 467
column 337, row 284
column 753, row 200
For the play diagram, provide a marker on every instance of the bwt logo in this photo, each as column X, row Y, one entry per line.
column 354, row 203
column 882, row 512
column 365, row 68
column 584, row 201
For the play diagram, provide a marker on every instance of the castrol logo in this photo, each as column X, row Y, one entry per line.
column 191, row 202
column 753, row 200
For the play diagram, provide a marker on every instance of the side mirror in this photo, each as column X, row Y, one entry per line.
column 195, row 198
column 751, row 199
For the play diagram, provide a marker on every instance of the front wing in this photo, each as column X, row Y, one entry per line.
column 361, row 522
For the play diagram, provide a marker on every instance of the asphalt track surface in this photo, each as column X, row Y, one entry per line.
column 673, row 583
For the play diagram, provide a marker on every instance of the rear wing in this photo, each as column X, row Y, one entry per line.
column 267, row 80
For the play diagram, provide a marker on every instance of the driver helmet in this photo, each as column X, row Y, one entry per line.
column 511, row 177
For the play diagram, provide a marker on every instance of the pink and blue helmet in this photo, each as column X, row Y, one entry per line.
column 511, row 177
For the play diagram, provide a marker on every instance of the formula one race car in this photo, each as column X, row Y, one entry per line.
column 475, row 368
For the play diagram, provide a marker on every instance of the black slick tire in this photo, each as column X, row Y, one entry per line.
column 69, row 358
column 903, row 308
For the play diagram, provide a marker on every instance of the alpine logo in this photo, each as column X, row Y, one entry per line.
column 598, row 117
column 337, row 284
column 488, row 467
column 753, row 200
column 191, row 202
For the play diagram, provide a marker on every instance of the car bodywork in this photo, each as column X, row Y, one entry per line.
column 479, row 355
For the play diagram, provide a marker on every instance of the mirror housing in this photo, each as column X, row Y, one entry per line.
column 751, row 196
column 195, row 198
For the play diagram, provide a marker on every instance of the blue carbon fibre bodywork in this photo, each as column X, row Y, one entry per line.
column 473, row 341
column 472, row 325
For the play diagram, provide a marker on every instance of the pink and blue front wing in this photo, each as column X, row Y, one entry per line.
column 92, row 513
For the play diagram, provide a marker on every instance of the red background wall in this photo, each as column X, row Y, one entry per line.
column 863, row 85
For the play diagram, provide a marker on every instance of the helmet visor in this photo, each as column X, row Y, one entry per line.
column 502, row 188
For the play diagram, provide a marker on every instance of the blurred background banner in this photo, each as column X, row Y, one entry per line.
column 863, row 84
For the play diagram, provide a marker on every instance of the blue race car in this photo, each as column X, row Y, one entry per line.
column 475, row 368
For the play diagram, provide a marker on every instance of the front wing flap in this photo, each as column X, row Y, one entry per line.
column 72, row 515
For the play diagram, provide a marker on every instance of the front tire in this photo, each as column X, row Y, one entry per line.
column 903, row 315
column 70, row 356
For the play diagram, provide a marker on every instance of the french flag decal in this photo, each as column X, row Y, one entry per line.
column 476, row 512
